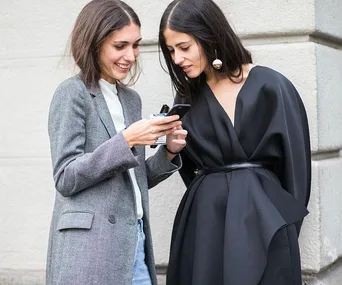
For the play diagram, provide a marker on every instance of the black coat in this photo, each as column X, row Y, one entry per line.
column 241, row 227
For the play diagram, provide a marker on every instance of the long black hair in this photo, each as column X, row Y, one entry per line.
column 205, row 21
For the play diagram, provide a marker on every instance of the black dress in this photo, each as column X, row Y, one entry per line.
column 241, row 227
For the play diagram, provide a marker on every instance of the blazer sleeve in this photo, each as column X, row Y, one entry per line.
column 159, row 167
column 73, row 169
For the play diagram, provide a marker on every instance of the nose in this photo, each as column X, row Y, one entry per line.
column 130, row 55
column 178, row 58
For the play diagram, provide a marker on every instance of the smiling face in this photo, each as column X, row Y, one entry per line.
column 186, row 53
column 118, row 53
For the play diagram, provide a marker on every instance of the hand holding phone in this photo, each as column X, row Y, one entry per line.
column 178, row 109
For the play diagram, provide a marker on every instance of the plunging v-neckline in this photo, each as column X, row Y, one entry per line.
column 232, row 122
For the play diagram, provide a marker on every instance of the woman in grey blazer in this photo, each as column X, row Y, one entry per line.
column 100, row 230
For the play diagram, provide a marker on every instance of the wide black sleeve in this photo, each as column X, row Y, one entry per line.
column 187, row 171
column 295, row 167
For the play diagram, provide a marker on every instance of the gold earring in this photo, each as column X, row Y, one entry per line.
column 217, row 63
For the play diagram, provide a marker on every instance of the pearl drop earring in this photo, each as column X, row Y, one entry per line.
column 217, row 63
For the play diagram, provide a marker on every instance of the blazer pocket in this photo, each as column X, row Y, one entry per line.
column 75, row 220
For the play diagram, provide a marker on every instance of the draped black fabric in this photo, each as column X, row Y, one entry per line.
column 241, row 227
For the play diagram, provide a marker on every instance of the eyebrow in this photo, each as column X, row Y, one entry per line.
column 126, row 42
column 180, row 43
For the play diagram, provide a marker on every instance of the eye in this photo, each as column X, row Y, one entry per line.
column 185, row 48
column 171, row 51
column 135, row 46
column 119, row 47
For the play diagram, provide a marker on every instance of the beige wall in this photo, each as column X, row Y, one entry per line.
column 302, row 39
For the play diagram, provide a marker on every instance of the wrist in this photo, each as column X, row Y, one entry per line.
column 169, row 151
column 127, row 138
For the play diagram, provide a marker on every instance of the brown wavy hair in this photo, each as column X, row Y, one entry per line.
column 96, row 21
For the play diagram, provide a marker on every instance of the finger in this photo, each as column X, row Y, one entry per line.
column 147, row 142
column 180, row 142
column 171, row 126
column 175, row 125
column 180, row 133
column 165, row 132
column 164, row 120
column 156, row 123
column 178, row 128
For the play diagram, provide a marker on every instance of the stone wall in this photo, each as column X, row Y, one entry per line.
column 301, row 39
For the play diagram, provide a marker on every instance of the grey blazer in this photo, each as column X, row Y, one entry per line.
column 93, row 231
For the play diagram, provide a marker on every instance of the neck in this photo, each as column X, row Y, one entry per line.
column 214, row 77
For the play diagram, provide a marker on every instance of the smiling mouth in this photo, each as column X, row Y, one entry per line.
column 123, row 66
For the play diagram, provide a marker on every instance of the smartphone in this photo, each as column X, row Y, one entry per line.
column 179, row 109
column 164, row 109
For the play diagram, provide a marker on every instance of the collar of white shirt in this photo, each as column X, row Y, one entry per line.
column 110, row 86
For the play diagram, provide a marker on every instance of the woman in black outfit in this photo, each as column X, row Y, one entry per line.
column 247, row 163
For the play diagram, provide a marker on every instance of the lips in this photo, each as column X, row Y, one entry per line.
column 186, row 68
column 124, row 67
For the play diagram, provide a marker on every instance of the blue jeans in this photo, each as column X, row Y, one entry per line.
column 141, row 275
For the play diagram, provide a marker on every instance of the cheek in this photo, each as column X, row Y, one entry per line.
column 100, row 56
column 202, row 60
column 200, row 54
column 136, row 52
column 111, row 55
column 106, row 56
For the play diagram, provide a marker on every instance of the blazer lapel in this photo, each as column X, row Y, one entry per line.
column 129, row 108
column 103, row 111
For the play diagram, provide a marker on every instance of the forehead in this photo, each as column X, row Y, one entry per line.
column 129, row 33
column 173, row 38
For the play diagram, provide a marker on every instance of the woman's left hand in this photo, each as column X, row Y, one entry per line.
column 176, row 141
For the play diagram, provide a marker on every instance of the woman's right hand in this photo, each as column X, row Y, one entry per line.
column 147, row 131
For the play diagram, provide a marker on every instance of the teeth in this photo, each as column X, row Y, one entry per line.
column 124, row 66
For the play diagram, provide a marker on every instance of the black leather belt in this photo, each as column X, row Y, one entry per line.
column 232, row 167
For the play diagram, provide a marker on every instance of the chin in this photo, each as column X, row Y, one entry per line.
column 193, row 75
column 120, row 76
